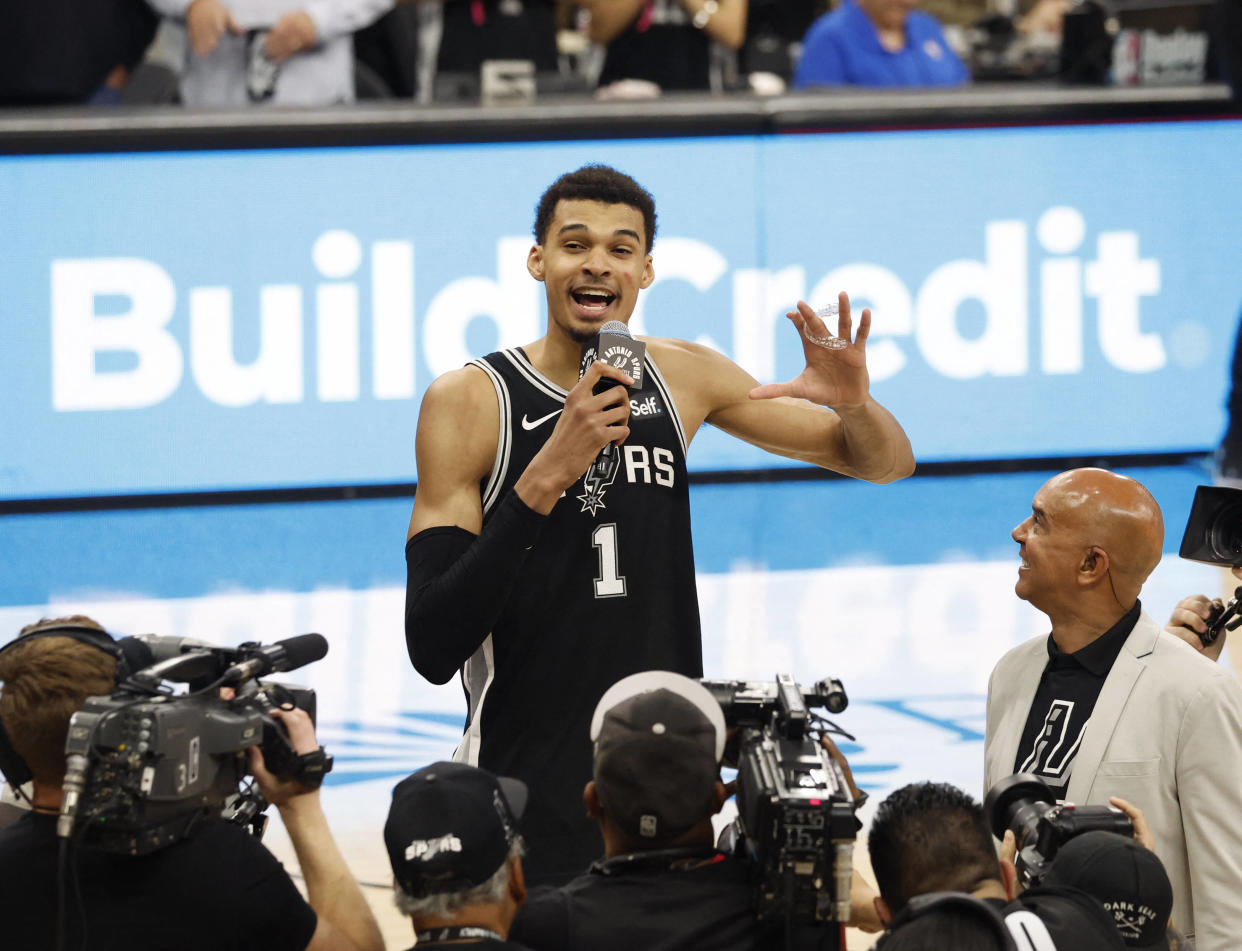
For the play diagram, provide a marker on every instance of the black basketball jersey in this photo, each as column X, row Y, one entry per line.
column 607, row 590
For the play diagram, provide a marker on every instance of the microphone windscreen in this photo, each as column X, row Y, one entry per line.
column 616, row 327
column 136, row 653
column 302, row 650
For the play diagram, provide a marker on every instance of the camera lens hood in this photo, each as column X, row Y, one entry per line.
column 1007, row 797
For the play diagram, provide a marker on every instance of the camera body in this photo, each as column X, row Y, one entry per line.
column 795, row 812
column 145, row 765
column 1024, row 804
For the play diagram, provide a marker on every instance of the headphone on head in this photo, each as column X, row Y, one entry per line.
column 922, row 905
column 12, row 767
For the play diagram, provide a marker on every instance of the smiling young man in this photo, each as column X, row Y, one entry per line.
column 544, row 583
column 1109, row 705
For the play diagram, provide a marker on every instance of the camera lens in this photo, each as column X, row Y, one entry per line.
column 1224, row 534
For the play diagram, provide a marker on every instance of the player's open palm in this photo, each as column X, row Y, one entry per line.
column 836, row 366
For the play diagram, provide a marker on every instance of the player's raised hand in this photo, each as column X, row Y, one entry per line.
column 836, row 366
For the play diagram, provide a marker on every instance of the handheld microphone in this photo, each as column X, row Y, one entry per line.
column 289, row 654
column 616, row 346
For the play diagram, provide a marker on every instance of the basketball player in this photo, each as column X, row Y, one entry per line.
column 544, row 586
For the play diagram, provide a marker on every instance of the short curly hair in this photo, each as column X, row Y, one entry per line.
column 929, row 837
column 596, row 183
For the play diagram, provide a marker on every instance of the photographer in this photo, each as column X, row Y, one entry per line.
column 218, row 887
column 1107, row 704
column 933, row 837
column 662, row 885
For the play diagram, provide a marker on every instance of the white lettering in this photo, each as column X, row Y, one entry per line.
column 276, row 373
column 337, row 255
column 1000, row 284
column 427, row 849
column 682, row 259
column 79, row 334
column 1060, row 231
column 663, row 460
column 392, row 320
column 760, row 300
column 636, row 463
column 1118, row 277
column 512, row 304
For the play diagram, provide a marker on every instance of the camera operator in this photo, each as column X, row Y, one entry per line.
column 1109, row 705
column 216, row 888
column 452, row 838
column 662, row 884
column 933, row 837
column 1191, row 618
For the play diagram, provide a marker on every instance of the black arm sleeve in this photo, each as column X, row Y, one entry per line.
column 457, row 583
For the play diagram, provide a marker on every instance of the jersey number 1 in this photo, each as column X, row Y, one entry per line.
column 608, row 584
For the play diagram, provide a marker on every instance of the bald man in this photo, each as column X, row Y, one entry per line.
column 1108, row 704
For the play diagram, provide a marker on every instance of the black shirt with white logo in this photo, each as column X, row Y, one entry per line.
column 1067, row 692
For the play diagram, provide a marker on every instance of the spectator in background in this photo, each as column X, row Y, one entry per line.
column 478, row 30
column 452, row 838
column 245, row 52
column 664, row 42
column 877, row 43
column 70, row 51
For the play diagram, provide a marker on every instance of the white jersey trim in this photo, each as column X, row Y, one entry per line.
column 522, row 364
column 668, row 401
column 476, row 676
column 504, row 440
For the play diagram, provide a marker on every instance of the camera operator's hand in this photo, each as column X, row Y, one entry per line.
column 1009, row 847
column 1191, row 618
column 1142, row 834
column 301, row 730
column 863, row 914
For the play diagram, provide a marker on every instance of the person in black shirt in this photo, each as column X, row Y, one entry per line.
column 933, row 837
column 661, row 885
column 664, row 42
column 456, row 854
column 218, row 888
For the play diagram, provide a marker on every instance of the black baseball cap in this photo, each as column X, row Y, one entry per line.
column 451, row 827
column 1126, row 878
column 658, row 741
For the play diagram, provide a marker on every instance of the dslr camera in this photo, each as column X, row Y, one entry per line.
column 145, row 765
column 795, row 812
column 1024, row 804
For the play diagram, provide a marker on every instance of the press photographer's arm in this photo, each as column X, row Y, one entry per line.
column 345, row 919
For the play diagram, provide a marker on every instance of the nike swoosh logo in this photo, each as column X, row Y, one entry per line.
column 529, row 424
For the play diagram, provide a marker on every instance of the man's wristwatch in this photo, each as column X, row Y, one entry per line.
column 706, row 12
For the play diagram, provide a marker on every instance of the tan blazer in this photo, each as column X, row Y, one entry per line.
column 1165, row 734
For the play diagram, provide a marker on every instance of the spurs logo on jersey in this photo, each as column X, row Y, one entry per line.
column 597, row 479
column 1056, row 747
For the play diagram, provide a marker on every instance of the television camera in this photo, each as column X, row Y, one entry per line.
column 795, row 811
column 145, row 765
